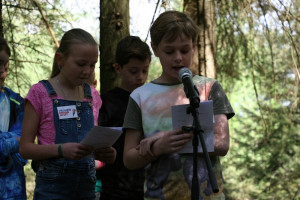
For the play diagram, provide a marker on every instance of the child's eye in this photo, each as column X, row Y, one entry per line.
column 133, row 72
column 93, row 65
column 81, row 64
column 168, row 52
column 185, row 51
column 2, row 62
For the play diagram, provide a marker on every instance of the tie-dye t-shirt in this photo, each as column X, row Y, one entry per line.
column 149, row 110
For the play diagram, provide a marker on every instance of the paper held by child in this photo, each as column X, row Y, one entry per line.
column 181, row 118
column 101, row 137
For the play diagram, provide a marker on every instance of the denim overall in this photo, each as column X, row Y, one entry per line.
column 61, row 178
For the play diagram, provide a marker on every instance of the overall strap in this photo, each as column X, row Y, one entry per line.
column 51, row 91
column 87, row 91
column 48, row 87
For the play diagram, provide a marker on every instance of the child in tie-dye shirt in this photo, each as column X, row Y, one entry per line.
column 148, row 115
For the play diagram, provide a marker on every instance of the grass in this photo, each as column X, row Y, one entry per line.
column 30, row 180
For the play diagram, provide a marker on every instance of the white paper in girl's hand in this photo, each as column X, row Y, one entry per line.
column 100, row 137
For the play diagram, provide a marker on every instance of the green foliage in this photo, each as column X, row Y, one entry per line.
column 154, row 69
column 30, row 41
column 30, row 180
column 266, row 160
column 259, row 69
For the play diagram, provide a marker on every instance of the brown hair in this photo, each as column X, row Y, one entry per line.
column 4, row 46
column 73, row 36
column 171, row 24
column 132, row 47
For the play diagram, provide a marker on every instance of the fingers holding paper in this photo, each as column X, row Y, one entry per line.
column 164, row 142
column 76, row 151
column 106, row 154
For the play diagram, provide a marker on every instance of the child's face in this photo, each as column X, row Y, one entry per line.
column 4, row 58
column 133, row 74
column 79, row 64
column 173, row 56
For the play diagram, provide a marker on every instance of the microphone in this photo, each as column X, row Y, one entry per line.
column 191, row 91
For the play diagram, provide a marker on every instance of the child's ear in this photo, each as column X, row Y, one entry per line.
column 194, row 46
column 59, row 58
column 7, row 65
column 154, row 48
column 95, row 83
column 117, row 68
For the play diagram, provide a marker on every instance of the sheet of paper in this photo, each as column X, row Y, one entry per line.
column 181, row 118
column 100, row 136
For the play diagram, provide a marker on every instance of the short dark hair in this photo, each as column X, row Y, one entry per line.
column 171, row 24
column 132, row 47
column 4, row 46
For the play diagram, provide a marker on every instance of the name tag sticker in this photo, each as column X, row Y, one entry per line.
column 67, row 112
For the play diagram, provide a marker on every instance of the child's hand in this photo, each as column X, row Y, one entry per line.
column 107, row 155
column 76, row 151
column 171, row 141
column 145, row 145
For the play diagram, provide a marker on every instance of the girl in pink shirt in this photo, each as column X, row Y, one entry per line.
column 60, row 112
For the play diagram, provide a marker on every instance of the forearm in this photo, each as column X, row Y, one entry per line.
column 133, row 160
column 221, row 135
column 38, row 152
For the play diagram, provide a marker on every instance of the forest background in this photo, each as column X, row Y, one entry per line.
column 257, row 63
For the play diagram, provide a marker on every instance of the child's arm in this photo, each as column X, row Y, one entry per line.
column 168, row 142
column 131, row 158
column 145, row 146
column 30, row 150
column 221, row 135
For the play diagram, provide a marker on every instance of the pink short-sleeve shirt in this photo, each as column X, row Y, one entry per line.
column 42, row 103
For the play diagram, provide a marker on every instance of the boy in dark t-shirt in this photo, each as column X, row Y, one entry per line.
column 133, row 57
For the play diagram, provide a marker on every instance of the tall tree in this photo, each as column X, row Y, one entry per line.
column 114, row 25
column 258, row 61
column 258, row 65
column 203, row 13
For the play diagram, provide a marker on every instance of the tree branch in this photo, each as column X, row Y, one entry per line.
column 47, row 23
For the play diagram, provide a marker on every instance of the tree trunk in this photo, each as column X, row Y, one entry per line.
column 203, row 13
column 114, row 25
column 1, row 21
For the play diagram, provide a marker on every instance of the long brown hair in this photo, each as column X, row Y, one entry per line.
column 71, row 37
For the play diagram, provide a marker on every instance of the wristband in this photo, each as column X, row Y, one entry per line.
column 59, row 149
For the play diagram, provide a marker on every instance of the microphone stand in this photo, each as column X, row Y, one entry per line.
column 198, row 131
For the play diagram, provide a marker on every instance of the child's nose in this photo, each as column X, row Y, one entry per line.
column 140, row 76
column 178, row 57
column 87, row 69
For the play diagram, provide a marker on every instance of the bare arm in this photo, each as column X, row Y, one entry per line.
column 167, row 142
column 221, row 135
column 30, row 150
column 221, row 139
column 131, row 158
